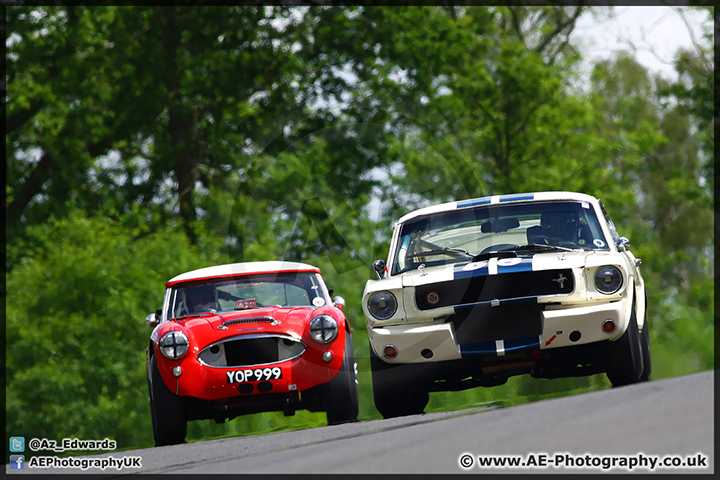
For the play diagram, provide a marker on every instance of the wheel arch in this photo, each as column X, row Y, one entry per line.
column 639, row 299
column 641, row 306
column 629, row 310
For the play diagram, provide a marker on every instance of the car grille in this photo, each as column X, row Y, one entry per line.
column 485, row 324
column 485, row 288
column 251, row 350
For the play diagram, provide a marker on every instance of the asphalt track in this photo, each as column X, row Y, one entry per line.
column 660, row 420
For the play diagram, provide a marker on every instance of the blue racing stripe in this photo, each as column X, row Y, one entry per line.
column 520, row 344
column 514, row 197
column 512, row 265
column 473, row 269
column 489, row 349
column 473, row 202
column 482, row 349
column 504, row 265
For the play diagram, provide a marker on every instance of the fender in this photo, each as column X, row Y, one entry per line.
column 641, row 306
column 629, row 305
column 638, row 288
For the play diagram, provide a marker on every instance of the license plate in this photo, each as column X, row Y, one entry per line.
column 254, row 375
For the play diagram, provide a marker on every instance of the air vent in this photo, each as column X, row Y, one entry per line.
column 249, row 320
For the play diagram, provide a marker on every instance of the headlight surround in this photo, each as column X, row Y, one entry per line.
column 174, row 345
column 323, row 329
column 608, row 279
column 382, row 305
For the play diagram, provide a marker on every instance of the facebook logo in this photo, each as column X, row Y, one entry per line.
column 17, row 444
column 17, row 462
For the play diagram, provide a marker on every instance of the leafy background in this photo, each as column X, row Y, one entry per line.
column 144, row 142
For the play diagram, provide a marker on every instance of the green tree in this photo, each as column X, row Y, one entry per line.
column 693, row 92
column 111, row 107
column 75, row 330
column 480, row 104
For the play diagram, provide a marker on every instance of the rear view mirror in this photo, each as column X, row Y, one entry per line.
column 499, row 225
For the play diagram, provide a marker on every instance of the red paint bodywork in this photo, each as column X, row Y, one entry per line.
column 210, row 383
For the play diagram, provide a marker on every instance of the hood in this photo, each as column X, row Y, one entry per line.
column 290, row 321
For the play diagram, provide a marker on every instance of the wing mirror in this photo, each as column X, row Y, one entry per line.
column 338, row 302
column 623, row 244
column 153, row 319
column 379, row 267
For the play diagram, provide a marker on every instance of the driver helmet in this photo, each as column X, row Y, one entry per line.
column 561, row 225
column 201, row 297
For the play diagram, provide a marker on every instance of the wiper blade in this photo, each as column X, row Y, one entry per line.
column 442, row 251
column 495, row 254
column 537, row 246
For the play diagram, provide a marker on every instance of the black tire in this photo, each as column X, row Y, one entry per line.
column 167, row 409
column 394, row 395
column 341, row 394
column 645, row 349
column 625, row 359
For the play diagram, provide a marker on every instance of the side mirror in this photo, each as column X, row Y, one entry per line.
column 153, row 319
column 339, row 302
column 623, row 244
column 379, row 267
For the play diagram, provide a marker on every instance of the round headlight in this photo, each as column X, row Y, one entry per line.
column 608, row 279
column 174, row 345
column 323, row 329
column 382, row 305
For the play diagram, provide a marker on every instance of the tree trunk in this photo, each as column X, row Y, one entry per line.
column 180, row 125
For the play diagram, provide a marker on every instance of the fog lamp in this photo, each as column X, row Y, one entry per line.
column 390, row 351
column 608, row 326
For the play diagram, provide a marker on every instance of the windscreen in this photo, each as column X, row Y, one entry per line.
column 459, row 235
column 246, row 292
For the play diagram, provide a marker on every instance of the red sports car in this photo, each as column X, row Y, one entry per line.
column 246, row 338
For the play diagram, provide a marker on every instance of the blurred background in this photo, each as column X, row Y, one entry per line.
column 143, row 142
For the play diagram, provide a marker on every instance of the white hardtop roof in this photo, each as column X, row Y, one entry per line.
column 495, row 199
column 247, row 268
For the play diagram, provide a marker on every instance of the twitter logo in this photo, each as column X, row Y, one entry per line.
column 17, row 444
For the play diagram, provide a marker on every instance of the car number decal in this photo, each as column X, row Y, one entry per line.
column 254, row 375
column 493, row 266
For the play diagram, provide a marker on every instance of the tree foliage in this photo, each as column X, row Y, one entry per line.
column 75, row 331
column 143, row 142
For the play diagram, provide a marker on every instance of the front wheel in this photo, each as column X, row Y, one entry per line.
column 167, row 409
column 393, row 392
column 341, row 394
column 625, row 356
